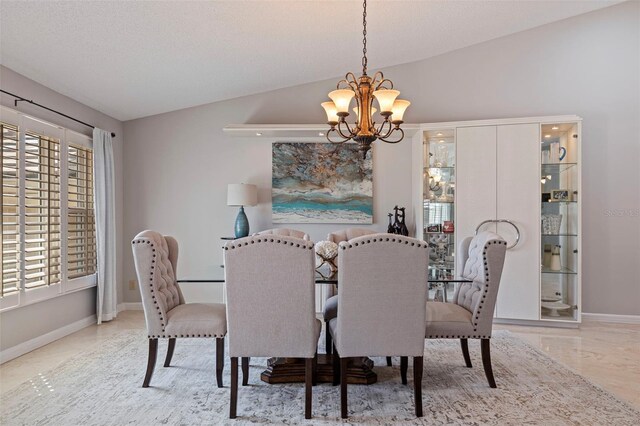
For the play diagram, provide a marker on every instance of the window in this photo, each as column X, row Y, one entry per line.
column 48, row 223
column 81, row 234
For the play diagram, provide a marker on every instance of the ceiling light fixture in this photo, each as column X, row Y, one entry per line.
column 555, row 128
column 365, row 89
column 547, row 136
column 258, row 134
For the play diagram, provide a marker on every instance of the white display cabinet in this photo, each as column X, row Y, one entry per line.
column 521, row 179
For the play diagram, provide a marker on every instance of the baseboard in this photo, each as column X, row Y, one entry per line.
column 45, row 339
column 129, row 306
column 611, row 318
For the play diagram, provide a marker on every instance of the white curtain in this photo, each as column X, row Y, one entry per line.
column 104, row 202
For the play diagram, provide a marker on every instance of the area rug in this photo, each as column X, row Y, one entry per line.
column 102, row 387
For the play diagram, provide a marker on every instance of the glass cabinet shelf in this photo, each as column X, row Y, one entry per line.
column 547, row 270
column 556, row 168
column 559, row 235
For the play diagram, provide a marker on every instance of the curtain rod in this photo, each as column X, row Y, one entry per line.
column 21, row 99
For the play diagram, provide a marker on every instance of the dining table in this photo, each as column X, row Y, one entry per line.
column 292, row 370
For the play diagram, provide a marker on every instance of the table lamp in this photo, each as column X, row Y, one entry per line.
column 242, row 194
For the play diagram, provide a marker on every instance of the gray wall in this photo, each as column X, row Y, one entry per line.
column 22, row 324
column 177, row 165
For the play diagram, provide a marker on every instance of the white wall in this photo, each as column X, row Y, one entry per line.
column 177, row 165
column 22, row 324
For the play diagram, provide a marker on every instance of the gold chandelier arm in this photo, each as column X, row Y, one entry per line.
column 377, row 78
column 382, row 86
column 380, row 130
column 336, row 131
column 351, row 134
column 392, row 131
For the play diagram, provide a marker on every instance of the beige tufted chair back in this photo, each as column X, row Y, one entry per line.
column 270, row 286
column 286, row 232
column 348, row 234
column 483, row 259
column 382, row 297
column 156, row 258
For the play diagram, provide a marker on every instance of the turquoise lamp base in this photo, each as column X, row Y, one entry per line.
column 242, row 224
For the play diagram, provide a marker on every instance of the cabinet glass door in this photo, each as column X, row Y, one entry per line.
column 439, row 182
column 560, row 228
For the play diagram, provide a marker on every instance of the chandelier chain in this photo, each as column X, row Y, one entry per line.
column 364, row 39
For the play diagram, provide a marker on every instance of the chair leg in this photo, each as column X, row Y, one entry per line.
column 315, row 369
column 343, row 387
column 245, row 371
column 404, row 363
column 417, row 384
column 465, row 352
column 151, row 362
column 336, row 367
column 233, row 402
column 389, row 363
column 170, row 348
column 219, row 360
column 485, row 345
column 327, row 339
column 308, row 385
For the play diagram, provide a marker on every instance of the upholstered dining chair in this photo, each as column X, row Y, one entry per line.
column 470, row 316
column 383, row 291
column 330, row 309
column 285, row 232
column 165, row 311
column 270, row 287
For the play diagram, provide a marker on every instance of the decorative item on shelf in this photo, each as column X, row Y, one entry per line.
column 560, row 195
column 327, row 253
column 435, row 177
column 450, row 192
column 562, row 153
column 242, row 194
column 555, row 264
column 546, row 197
column 390, row 229
column 440, row 248
column 545, row 178
column 399, row 226
column 434, row 229
column 448, row 227
column 443, row 197
column 554, row 307
column 365, row 89
column 551, row 224
column 442, row 156
column 546, row 257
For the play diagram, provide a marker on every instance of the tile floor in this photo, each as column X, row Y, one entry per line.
column 606, row 354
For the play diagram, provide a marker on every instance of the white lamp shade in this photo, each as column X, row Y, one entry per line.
column 385, row 98
column 242, row 194
column 341, row 99
column 332, row 113
column 399, row 107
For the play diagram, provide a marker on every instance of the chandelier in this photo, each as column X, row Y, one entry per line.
column 365, row 89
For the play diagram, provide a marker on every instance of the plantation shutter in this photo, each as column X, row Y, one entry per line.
column 10, row 210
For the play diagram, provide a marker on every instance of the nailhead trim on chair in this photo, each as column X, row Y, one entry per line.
column 153, row 250
column 486, row 287
column 393, row 240
column 307, row 245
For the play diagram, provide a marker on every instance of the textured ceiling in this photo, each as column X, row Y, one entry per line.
column 132, row 59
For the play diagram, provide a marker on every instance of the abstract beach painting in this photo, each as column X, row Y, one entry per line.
column 321, row 183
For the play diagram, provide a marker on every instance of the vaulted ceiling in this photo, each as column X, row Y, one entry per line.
column 132, row 59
